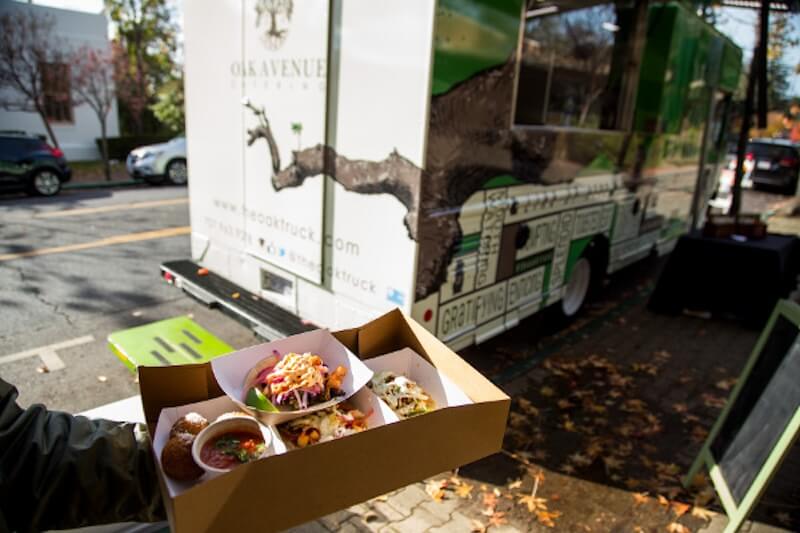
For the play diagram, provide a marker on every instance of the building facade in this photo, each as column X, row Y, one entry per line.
column 75, row 127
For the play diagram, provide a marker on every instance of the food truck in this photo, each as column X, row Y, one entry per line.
column 470, row 162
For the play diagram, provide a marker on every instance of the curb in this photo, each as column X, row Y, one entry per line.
column 101, row 184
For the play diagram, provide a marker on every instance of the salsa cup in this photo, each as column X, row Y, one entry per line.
column 236, row 423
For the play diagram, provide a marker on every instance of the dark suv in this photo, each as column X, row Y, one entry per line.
column 28, row 163
column 776, row 163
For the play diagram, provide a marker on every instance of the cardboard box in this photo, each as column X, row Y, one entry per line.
column 301, row 485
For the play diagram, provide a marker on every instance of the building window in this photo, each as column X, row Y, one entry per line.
column 56, row 92
column 572, row 65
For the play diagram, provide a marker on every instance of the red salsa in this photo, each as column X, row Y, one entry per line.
column 232, row 449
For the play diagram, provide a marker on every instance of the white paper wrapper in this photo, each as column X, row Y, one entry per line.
column 232, row 371
column 366, row 402
column 210, row 409
column 410, row 364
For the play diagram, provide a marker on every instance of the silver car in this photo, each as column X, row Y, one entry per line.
column 156, row 163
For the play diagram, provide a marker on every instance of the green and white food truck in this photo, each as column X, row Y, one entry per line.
column 468, row 161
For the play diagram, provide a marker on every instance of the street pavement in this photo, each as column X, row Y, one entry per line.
column 75, row 268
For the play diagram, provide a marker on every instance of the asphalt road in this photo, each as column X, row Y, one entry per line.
column 74, row 269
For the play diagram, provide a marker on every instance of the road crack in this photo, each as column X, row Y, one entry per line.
column 40, row 297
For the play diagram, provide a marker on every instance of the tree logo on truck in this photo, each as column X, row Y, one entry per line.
column 276, row 15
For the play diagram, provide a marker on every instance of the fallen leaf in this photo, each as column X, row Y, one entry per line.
column 490, row 499
column 42, row 369
column 102, row 379
column 435, row 489
column 612, row 463
column 569, row 425
column 675, row 527
column 235, row 295
column 381, row 498
column 136, row 313
column 639, row 498
column 464, row 490
column 784, row 518
column 546, row 391
column 702, row 513
column 564, row 403
column 546, row 517
column 725, row 384
column 477, row 527
column 498, row 519
column 662, row 501
column 516, row 420
column 527, row 407
column 567, row 468
column 709, row 400
column 680, row 407
column 533, row 503
column 680, row 508
column 515, row 484
column 699, row 434
column 579, row 459
column 202, row 272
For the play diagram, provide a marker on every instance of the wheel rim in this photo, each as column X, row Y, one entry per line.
column 177, row 172
column 577, row 287
column 46, row 183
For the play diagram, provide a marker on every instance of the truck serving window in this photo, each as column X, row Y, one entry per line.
column 572, row 65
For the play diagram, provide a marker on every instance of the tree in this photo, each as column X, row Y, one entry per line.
column 27, row 49
column 782, row 38
column 169, row 106
column 93, row 85
column 146, row 33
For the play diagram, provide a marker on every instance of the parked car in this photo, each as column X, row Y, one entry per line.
column 157, row 163
column 776, row 163
column 29, row 164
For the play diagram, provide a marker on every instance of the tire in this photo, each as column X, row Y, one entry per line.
column 577, row 289
column 584, row 282
column 46, row 182
column 176, row 172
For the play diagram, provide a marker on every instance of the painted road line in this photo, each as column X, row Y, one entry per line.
column 109, row 241
column 48, row 354
column 111, row 208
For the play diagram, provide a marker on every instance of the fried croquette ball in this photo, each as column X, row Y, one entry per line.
column 176, row 458
column 192, row 423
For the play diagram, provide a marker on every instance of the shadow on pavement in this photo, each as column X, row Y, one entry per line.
column 622, row 399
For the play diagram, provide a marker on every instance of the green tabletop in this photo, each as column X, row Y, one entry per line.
column 175, row 341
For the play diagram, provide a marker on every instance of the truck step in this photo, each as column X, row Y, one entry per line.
column 265, row 318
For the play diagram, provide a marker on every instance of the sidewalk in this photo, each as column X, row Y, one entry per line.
column 600, row 431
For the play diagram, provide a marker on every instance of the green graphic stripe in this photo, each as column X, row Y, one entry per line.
column 502, row 181
column 468, row 244
column 529, row 263
column 470, row 36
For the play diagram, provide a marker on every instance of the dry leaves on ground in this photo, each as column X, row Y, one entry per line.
column 680, row 508
column 639, row 498
column 675, row 527
column 702, row 513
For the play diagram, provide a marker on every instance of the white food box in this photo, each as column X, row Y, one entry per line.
column 231, row 371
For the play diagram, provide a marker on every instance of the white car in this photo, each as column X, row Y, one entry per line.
column 158, row 162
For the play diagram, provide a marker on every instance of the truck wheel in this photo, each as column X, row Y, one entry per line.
column 584, row 281
column 577, row 288
column 176, row 172
column 46, row 183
